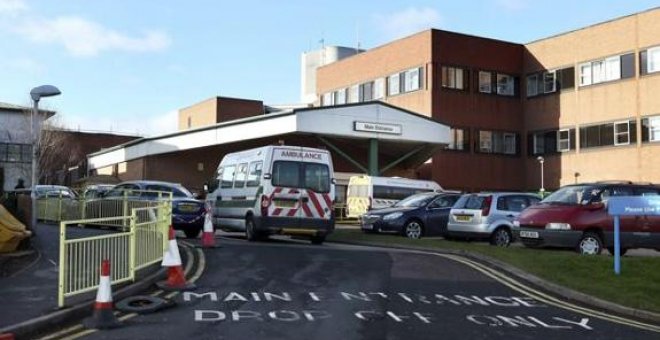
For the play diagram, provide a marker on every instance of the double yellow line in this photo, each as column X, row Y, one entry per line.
column 79, row 330
column 540, row 296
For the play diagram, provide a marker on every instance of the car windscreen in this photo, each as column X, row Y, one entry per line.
column 574, row 194
column 312, row 176
column 415, row 201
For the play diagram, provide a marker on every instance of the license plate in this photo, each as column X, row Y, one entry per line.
column 368, row 226
column 529, row 234
column 463, row 218
column 285, row 203
column 188, row 208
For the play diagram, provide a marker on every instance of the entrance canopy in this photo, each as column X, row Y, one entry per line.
column 374, row 137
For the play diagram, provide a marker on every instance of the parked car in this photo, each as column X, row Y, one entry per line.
column 575, row 216
column 54, row 191
column 96, row 190
column 488, row 216
column 188, row 213
column 415, row 216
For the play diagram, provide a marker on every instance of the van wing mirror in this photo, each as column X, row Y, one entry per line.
column 333, row 181
column 268, row 176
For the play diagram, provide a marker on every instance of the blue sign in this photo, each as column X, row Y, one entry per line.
column 633, row 205
column 629, row 206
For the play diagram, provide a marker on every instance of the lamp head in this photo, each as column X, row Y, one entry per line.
column 44, row 91
column 540, row 159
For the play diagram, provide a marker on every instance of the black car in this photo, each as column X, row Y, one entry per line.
column 188, row 213
column 418, row 215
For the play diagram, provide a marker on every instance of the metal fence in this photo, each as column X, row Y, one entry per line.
column 142, row 244
column 111, row 211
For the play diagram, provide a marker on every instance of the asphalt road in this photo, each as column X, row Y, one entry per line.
column 294, row 290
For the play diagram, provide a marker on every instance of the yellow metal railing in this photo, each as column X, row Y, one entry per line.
column 142, row 244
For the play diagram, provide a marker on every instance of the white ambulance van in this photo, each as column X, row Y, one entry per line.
column 371, row 192
column 274, row 190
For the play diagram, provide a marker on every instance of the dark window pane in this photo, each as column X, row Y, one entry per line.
column 286, row 174
column 643, row 67
column 592, row 137
column 645, row 130
column 3, row 152
column 633, row 131
column 550, row 139
column 317, row 177
column 567, row 78
column 606, row 134
column 572, row 144
column 628, row 65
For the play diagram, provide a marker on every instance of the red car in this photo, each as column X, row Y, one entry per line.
column 576, row 217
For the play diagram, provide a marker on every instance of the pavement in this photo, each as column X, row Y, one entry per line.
column 28, row 286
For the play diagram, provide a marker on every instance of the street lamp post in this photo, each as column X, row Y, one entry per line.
column 37, row 93
column 541, row 160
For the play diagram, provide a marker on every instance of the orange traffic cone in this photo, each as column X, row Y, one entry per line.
column 7, row 336
column 208, row 236
column 103, row 317
column 172, row 260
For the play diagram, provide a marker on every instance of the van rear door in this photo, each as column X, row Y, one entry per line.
column 286, row 194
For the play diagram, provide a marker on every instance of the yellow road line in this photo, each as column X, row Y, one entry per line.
column 519, row 287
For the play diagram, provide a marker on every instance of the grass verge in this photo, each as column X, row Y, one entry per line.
column 638, row 286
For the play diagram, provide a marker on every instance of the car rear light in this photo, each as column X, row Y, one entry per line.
column 265, row 202
column 485, row 206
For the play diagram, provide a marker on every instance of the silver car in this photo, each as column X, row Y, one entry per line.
column 488, row 216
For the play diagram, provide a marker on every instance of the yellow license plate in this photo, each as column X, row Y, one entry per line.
column 285, row 203
column 463, row 218
column 188, row 208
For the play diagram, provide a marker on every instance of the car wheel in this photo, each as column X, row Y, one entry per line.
column 192, row 233
column 413, row 229
column 590, row 244
column 501, row 237
column 318, row 239
column 250, row 230
column 622, row 251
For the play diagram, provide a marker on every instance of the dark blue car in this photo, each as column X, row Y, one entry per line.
column 188, row 213
column 418, row 215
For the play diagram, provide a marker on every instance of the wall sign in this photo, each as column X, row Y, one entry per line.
column 393, row 129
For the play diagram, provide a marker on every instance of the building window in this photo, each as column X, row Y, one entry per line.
column 393, row 84
column 15, row 153
column 354, row 94
column 367, row 91
column 485, row 82
column 549, row 81
column 599, row 71
column 621, row 133
column 498, row 142
column 608, row 134
column 460, row 139
column 327, row 99
column 505, row 85
column 189, row 122
column 563, row 140
column 532, row 85
column 412, row 79
column 453, row 78
column 651, row 129
column 379, row 88
column 538, row 147
column 340, row 97
column 653, row 60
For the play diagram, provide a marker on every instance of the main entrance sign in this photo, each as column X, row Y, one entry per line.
column 392, row 129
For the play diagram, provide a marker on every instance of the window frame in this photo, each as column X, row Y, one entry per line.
column 617, row 133
column 409, row 83
column 451, row 76
column 256, row 168
column 489, row 84
column 391, row 84
column 511, row 82
column 649, row 59
column 554, row 81
column 566, row 140
column 535, row 83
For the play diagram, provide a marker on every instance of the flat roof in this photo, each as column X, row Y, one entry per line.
column 369, row 120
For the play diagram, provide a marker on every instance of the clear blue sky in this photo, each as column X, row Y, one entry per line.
column 129, row 65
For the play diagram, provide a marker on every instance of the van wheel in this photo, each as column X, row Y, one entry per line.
column 318, row 239
column 413, row 230
column 622, row 251
column 590, row 244
column 250, row 230
column 501, row 237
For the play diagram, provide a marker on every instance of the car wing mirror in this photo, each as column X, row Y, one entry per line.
column 596, row 206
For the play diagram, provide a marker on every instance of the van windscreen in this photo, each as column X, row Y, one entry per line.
column 312, row 176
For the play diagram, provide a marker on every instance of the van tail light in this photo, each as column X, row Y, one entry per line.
column 485, row 206
column 265, row 202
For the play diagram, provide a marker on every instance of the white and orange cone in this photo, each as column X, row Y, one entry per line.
column 176, row 280
column 208, row 236
column 103, row 317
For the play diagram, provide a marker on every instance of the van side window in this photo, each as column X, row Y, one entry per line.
column 227, row 177
column 241, row 175
column 286, row 174
column 317, row 177
column 254, row 175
